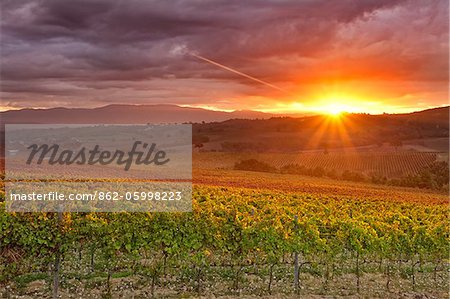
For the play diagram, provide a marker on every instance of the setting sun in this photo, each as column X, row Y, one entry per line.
column 335, row 109
column 338, row 100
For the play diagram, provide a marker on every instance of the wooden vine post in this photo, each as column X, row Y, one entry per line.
column 296, row 263
column 57, row 265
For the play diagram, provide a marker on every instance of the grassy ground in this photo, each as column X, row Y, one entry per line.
column 253, row 285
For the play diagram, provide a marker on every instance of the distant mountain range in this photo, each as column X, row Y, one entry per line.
column 162, row 113
column 124, row 114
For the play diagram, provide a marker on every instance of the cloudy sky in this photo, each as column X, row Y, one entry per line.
column 357, row 55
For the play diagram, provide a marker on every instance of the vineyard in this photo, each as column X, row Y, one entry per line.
column 236, row 241
column 306, row 185
column 387, row 164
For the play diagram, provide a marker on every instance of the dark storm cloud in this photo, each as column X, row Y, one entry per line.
column 55, row 48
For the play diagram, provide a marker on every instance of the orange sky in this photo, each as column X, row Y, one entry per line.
column 287, row 56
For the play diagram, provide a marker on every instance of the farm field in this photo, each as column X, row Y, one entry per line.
column 387, row 164
column 251, row 234
column 240, row 239
column 311, row 185
column 428, row 144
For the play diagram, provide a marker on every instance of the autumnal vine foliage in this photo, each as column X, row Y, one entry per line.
column 235, row 228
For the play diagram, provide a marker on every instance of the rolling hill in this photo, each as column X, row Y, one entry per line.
column 123, row 114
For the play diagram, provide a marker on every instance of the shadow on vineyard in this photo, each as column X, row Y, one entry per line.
column 236, row 241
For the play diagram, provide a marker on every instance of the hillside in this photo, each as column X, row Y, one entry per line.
column 356, row 131
column 119, row 114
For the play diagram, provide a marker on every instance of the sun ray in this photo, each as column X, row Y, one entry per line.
column 323, row 126
column 344, row 122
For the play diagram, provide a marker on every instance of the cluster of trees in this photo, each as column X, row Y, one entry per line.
column 254, row 165
column 322, row 172
column 435, row 177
